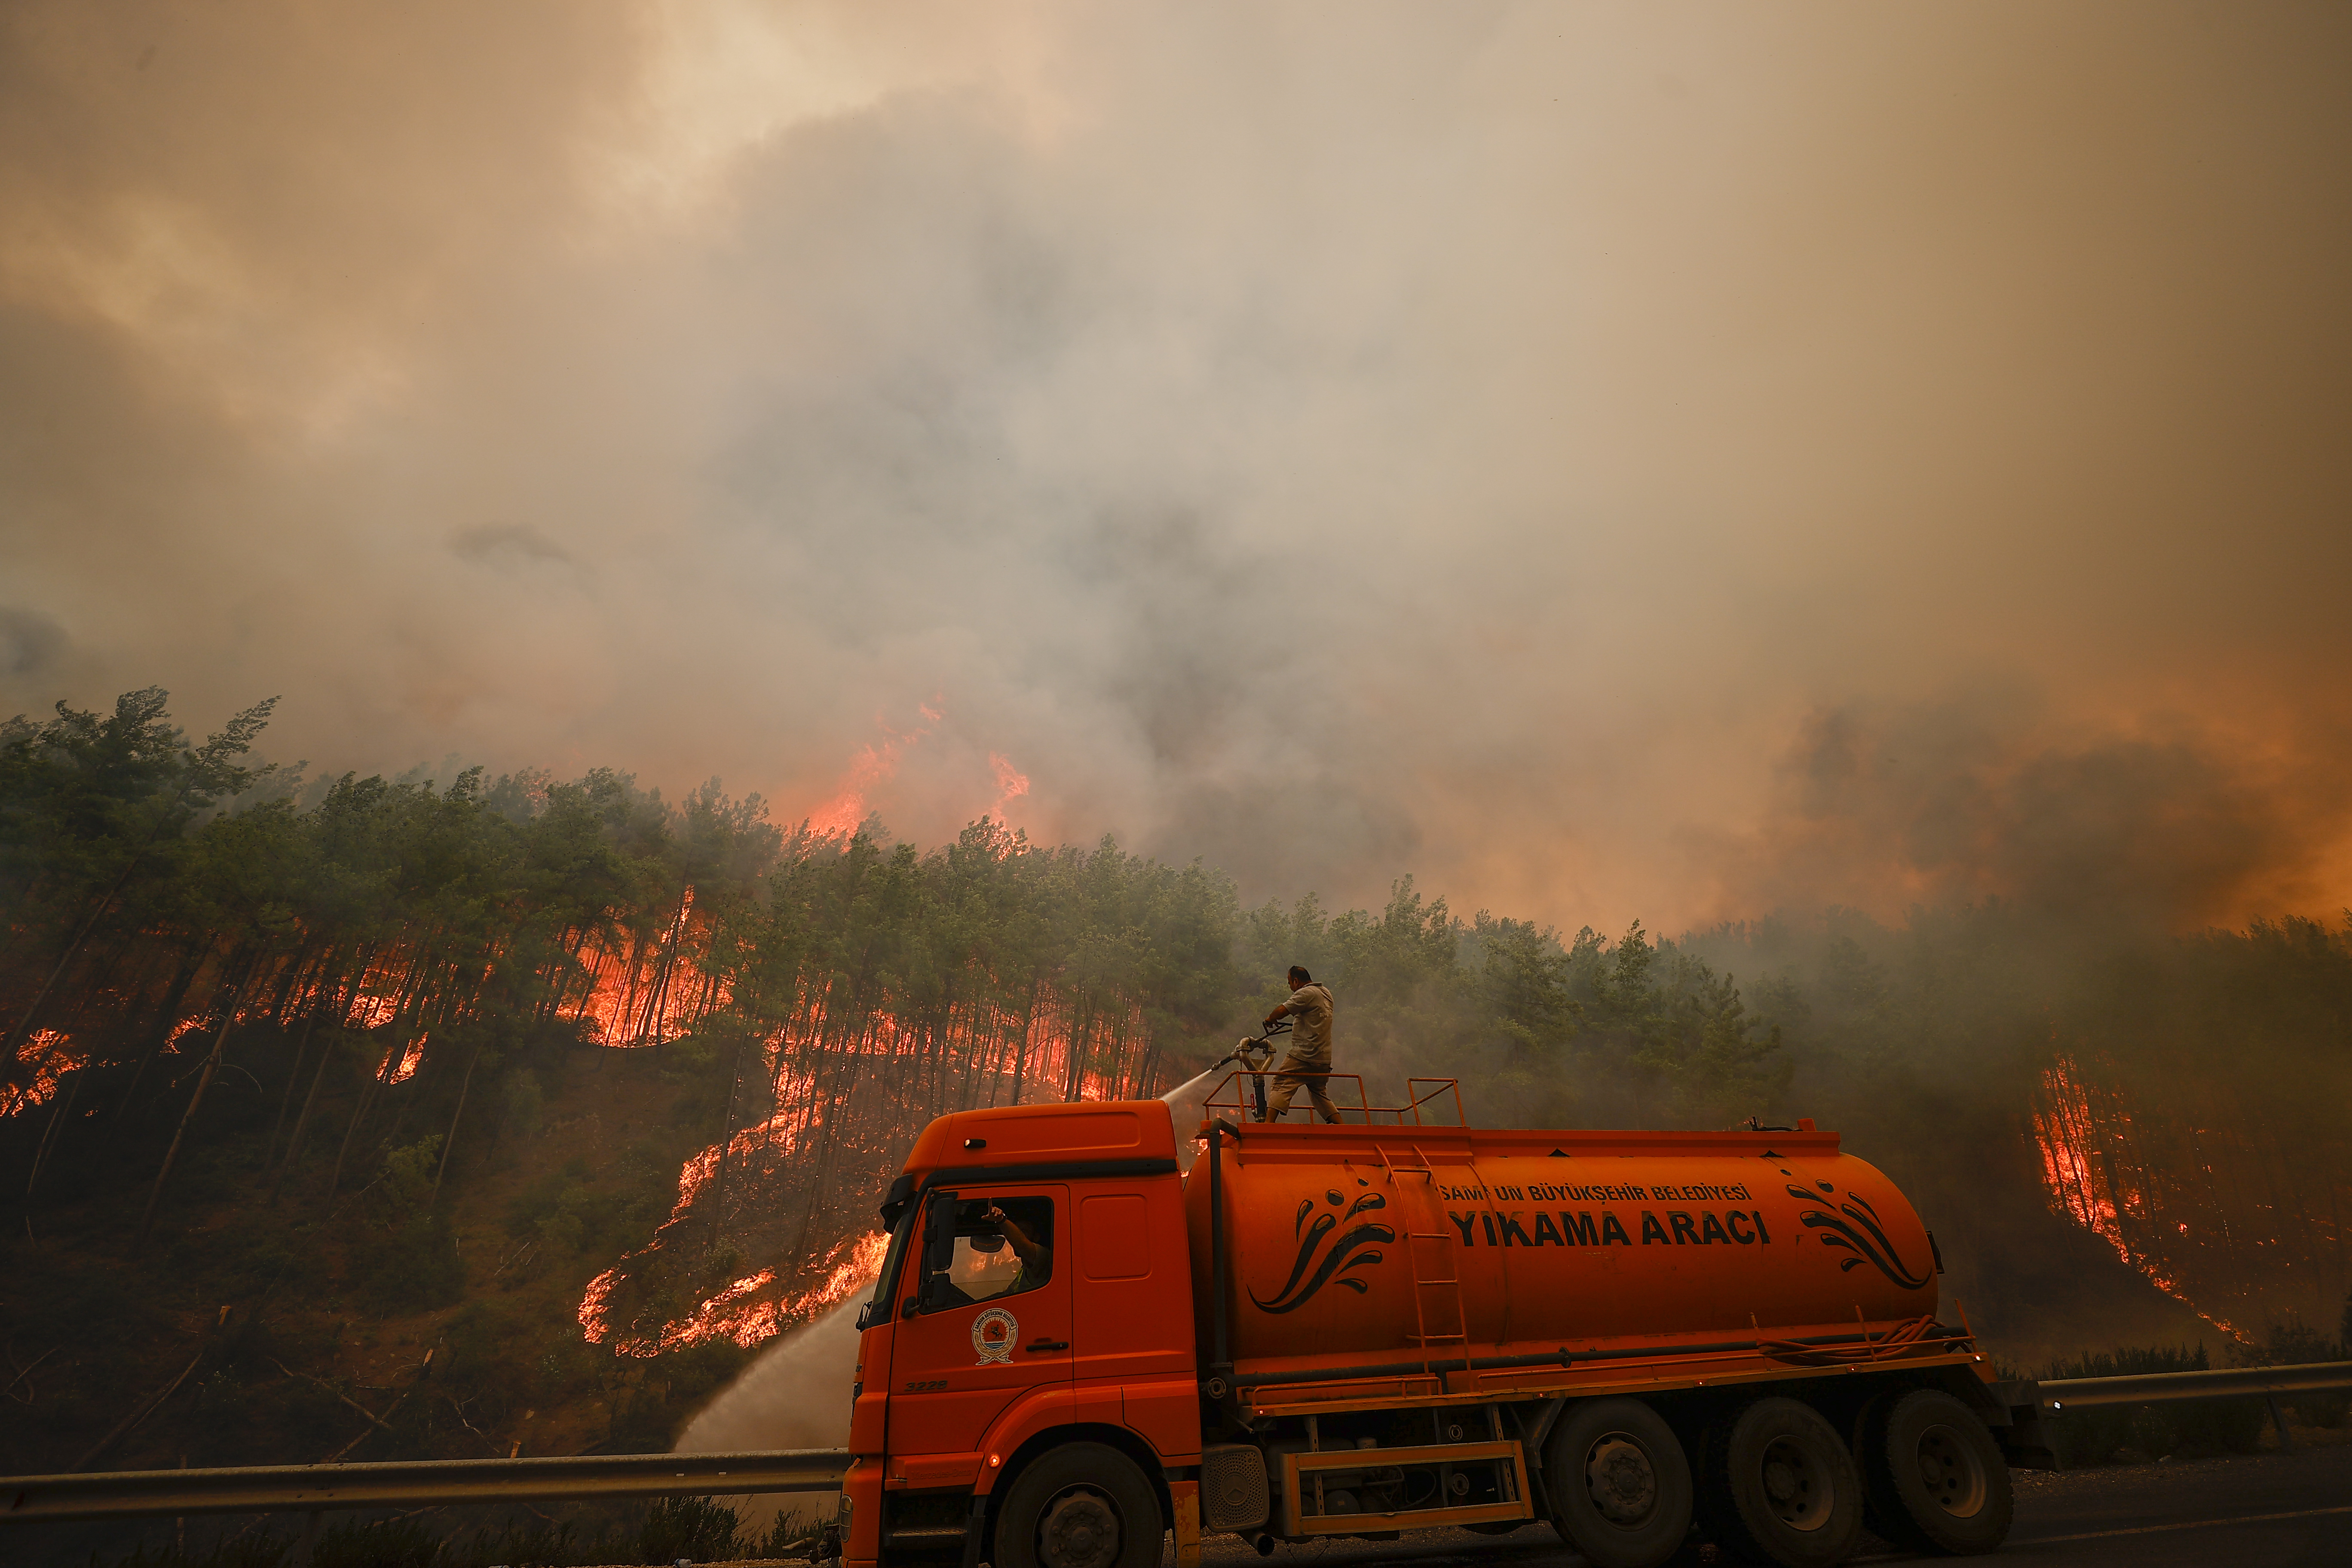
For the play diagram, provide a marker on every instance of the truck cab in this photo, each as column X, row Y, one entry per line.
column 1034, row 1308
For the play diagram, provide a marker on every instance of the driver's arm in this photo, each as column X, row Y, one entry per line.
column 1028, row 1251
column 1278, row 1014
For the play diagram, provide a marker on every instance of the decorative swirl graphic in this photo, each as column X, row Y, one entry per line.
column 1352, row 1250
column 1872, row 1248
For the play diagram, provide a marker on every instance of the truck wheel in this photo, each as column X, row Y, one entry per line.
column 1782, row 1489
column 1619, row 1485
column 1937, row 1477
column 1082, row 1505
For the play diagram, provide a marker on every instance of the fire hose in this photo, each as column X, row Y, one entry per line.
column 1254, row 1056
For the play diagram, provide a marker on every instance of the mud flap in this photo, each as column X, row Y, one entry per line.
column 1185, row 1500
column 975, row 1531
column 2023, row 1442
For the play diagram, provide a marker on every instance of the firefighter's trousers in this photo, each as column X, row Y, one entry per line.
column 1294, row 1076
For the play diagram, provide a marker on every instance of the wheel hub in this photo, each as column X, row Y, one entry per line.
column 1622, row 1484
column 1950, row 1472
column 1080, row 1531
column 1793, row 1487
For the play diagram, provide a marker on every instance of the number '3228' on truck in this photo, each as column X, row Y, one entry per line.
column 1074, row 1350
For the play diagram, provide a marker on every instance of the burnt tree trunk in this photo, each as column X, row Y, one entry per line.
column 204, row 1083
column 158, row 1034
column 302, row 1121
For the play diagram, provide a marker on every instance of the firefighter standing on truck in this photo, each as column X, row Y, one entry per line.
column 1309, row 1061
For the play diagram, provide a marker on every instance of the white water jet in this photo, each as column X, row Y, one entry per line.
column 1186, row 1103
column 795, row 1395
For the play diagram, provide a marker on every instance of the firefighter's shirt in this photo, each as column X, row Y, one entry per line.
column 1310, row 1035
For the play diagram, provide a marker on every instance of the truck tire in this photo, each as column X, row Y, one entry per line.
column 1082, row 1505
column 1619, row 1485
column 1780, row 1487
column 1938, row 1482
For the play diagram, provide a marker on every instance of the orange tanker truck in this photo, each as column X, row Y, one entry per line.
column 1351, row 1331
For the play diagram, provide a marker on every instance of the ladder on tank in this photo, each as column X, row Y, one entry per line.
column 1451, row 1264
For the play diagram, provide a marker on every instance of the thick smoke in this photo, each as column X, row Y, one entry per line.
column 1466, row 440
column 2162, row 826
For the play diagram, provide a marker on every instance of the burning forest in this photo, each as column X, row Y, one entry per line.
column 419, row 974
column 1152, row 496
column 518, row 1115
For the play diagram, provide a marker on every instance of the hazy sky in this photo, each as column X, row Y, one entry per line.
column 1608, row 461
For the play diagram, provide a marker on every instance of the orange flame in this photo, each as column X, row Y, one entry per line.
column 370, row 1011
column 850, row 1267
column 51, row 1058
column 407, row 1066
column 658, row 999
column 592, row 1306
column 2084, row 1190
column 1011, row 783
column 845, row 812
column 775, row 1133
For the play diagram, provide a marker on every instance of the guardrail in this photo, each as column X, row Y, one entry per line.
column 272, row 1488
column 2060, row 1394
column 2033, row 1400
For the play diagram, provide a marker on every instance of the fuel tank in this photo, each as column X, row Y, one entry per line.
column 1350, row 1247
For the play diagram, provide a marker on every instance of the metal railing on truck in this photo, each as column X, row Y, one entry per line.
column 1227, row 1096
column 273, row 1489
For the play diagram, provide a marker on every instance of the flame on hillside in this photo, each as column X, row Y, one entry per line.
column 850, row 1267
column 873, row 765
column 370, row 1011
column 51, row 1056
column 652, row 982
column 644, row 990
column 1051, row 1055
column 733, row 1314
column 2087, row 1184
column 1011, row 783
column 774, row 1134
column 405, row 1067
column 631, row 987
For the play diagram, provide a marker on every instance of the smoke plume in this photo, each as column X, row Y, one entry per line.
column 1468, row 440
column 2164, row 824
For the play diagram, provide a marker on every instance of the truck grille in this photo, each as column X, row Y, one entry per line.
column 1232, row 1487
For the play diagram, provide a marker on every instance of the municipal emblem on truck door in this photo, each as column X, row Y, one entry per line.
column 993, row 1334
column 1355, row 1248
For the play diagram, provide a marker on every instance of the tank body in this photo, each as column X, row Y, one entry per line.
column 1568, row 1241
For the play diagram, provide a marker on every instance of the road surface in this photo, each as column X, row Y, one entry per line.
column 2265, row 1510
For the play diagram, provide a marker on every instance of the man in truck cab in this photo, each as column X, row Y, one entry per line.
column 1309, row 1061
column 995, row 1254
